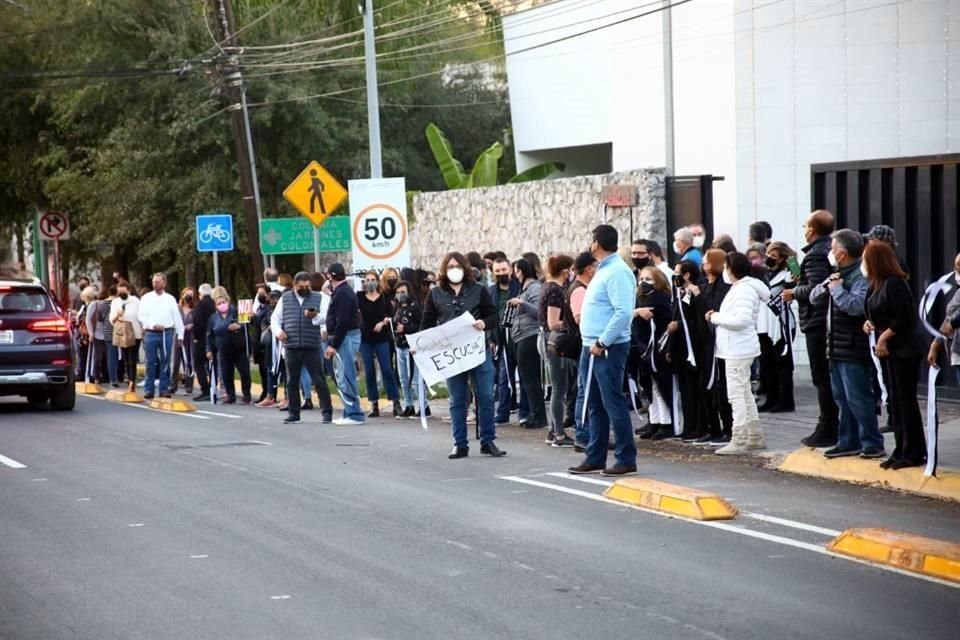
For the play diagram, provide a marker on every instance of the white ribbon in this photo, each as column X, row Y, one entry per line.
column 677, row 413
column 586, row 391
column 713, row 375
column 423, row 401
column 652, row 346
column 633, row 395
column 932, row 426
column 213, row 383
column 876, row 365
column 89, row 370
column 686, row 334
column 339, row 378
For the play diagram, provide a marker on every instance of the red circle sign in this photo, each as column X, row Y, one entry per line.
column 380, row 231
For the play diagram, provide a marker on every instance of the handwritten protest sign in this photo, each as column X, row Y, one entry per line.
column 447, row 350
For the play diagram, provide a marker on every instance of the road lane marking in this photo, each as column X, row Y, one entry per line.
column 279, row 597
column 199, row 556
column 146, row 408
column 136, row 524
column 784, row 522
column 39, row 479
column 220, row 415
column 751, row 533
column 83, row 499
column 10, row 462
column 803, row 526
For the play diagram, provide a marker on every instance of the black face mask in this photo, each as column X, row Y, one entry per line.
column 641, row 263
column 646, row 288
column 124, row 296
column 503, row 280
column 772, row 263
column 188, row 298
column 263, row 299
column 303, row 292
column 391, row 282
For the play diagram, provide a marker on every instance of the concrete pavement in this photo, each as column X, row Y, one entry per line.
column 131, row 523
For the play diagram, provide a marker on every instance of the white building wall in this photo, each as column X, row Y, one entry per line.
column 762, row 90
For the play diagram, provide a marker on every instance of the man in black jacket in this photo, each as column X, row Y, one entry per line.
column 814, row 270
column 201, row 318
column 343, row 331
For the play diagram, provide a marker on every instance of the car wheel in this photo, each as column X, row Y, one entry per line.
column 37, row 399
column 64, row 399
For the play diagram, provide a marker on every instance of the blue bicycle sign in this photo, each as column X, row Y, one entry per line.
column 215, row 232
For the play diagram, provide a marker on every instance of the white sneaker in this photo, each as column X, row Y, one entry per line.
column 346, row 422
column 732, row 449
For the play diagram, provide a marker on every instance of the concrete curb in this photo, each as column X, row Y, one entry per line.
column 124, row 396
column 670, row 498
column 810, row 462
column 909, row 552
column 89, row 388
column 256, row 389
column 172, row 404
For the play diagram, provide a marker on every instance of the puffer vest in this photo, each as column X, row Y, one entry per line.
column 300, row 330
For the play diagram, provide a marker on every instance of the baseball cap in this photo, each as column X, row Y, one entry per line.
column 337, row 271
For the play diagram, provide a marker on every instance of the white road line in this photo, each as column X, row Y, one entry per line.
column 145, row 407
column 803, row 526
column 794, row 524
column 587, row 479
column 199, row 556
column 136, row 524
column 279, row 597
column 760, row 535
column 10, row 462
column 220, row 415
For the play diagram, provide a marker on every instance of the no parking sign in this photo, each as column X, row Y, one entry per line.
column 378, row 223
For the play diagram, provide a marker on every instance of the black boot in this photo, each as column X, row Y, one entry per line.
column 375, row 413
column 397, row 409
column 459, row 452
column 664, row 432
column 822, row 436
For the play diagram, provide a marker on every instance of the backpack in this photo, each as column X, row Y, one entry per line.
column 566, row 343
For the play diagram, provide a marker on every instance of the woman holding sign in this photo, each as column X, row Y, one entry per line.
column 456, row 293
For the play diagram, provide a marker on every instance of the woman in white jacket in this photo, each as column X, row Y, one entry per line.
column 737, row 344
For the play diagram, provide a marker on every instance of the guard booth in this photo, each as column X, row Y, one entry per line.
column 689, row 200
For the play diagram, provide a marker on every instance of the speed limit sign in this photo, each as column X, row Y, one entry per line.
column 378, row 223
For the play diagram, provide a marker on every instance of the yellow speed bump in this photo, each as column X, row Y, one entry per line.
column 89, row 388
column 124, row 396
column 906, row 551
column 670, row 498
column 172, row 404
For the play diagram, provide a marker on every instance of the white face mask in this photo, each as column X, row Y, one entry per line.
column 455, row 275
column 726, row 277
column 698, row 241
column 832, row 259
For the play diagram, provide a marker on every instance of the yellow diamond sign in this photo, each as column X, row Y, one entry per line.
column 315, row 193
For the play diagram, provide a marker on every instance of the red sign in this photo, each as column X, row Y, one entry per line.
column 54, row 226
column 620, row 195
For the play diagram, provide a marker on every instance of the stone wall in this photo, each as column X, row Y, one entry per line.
column 547, row 216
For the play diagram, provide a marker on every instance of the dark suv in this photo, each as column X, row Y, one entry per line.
column 36, row 346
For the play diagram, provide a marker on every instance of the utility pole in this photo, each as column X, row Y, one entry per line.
column 242, row 135
column 669, row 142
column 373, row 93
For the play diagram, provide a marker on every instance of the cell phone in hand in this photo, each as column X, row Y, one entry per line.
column 793, row 266
column 312, row 309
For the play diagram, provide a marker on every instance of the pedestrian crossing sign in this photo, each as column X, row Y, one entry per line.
column 315, row 193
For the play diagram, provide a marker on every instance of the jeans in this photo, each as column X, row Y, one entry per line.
column 737, row 375
column 346, row 377
column 563, row 373
column 607, row 407
column 853, row 393
column 113, row 362
column 158, row 348
column 504, row 366
column 581, row 426
column 229, row 360
column 529, row 363
column 408, row 376
column 482, row 376
column 378, row 352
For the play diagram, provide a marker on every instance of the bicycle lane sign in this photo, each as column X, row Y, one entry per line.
column 215, row 232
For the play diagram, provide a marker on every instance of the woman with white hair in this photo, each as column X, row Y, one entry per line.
column 88, row 308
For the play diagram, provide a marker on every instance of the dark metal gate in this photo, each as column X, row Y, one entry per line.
column 917, row 196
column 689, row 200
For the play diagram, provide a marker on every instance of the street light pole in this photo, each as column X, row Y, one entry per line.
column 373, row 97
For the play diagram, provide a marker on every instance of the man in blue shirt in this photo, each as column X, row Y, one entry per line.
column 683, row 246
column 605, row 329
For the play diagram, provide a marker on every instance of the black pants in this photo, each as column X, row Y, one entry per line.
column 776, row 373
column 231, row 359
column 719, row 411
column 820, row 373
column 312, row 360
column 907, row 423
column 528, row 361
column 199, row 370
column 692, row 405
column 129, row 357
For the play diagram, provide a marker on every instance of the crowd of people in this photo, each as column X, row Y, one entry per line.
column 700, row 348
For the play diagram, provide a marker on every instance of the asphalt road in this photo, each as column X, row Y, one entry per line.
column 130, row 523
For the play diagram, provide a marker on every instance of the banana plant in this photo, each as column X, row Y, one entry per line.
column 485, row 168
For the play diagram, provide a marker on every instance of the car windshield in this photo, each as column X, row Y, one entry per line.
column 23, row 300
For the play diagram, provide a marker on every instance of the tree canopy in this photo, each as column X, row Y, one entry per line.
column 114, row 112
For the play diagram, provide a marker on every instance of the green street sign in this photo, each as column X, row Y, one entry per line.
column 280, row 236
